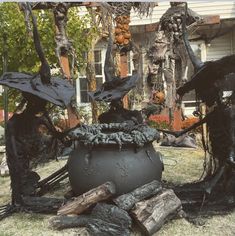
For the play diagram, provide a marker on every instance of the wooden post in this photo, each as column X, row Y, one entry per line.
column 123, row 73
column 65, row 66
column 91, row 77
column 64, row 62
column 72, row 117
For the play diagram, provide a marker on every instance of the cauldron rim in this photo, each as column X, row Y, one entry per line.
column 112, row 146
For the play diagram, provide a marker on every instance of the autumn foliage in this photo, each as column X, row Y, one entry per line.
column 189, row 122
column 163, row 122
column 159, row 121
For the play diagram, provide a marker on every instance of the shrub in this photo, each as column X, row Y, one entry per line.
column 189, row 122
column 159, row 122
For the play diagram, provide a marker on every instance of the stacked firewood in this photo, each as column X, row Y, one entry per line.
column 150, row 206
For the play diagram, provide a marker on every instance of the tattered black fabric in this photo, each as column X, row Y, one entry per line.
column 24, row 144
column 23, row 139
column 118, row 114
column 115, row 89
column 211, row 81
column 59, row 91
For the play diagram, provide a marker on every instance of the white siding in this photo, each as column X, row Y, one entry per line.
column 219, row 47
column 226, row 9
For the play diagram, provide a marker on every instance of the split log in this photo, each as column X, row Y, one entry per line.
column 127, row 201
column 84, row 201
column 45, row 205
column 151, row 214
column 112, row 214
column 104, row 220
column 96, row 227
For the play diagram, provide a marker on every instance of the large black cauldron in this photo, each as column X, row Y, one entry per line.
column 126, row 168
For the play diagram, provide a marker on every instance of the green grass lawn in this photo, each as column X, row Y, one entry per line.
column 181, row 166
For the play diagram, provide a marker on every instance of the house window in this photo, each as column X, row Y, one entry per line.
column 98, row 62
column 188, row 104
column 83, row 84
column 84, row 97
column 99, row 57
column 83, row 90
column 129, row 63
column 196, row 47
column 199, row 50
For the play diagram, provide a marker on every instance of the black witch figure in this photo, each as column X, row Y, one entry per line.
column 114, row 89
column 24, row 141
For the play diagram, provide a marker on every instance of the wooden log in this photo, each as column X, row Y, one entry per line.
column 93, row 226
column 84, row 201
column 45, row 205
column 112, row 214
column 127, row 201
column 151, row 214
column 105, row 220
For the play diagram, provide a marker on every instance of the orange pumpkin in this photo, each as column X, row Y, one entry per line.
column 118, row 19
column 126, row 27
column 118, row 30
column 126, row 41
column 120, row 26
column 126, row 21
column 120, row 39
column 159, row 97
column 127, row 35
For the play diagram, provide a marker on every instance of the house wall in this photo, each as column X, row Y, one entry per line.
column 226, row 9
column 217, row 48
column 220, row 47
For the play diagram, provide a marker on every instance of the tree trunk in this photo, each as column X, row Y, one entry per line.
column 127, row 201
column 84, row 201
column 123, row 73
column 151, row 214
